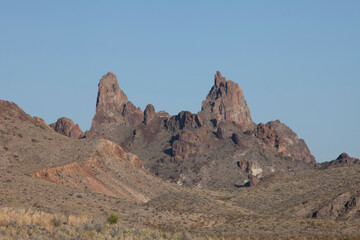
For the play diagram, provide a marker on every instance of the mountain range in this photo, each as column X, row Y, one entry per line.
column 213, row 173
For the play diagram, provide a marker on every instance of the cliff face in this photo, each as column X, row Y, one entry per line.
column 284, row 140
column 66, row 126
column 113, row 106
column 207, row 149
column 226, row 101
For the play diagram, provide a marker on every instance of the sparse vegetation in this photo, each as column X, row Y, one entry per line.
column 31, row 224
column 112, row 219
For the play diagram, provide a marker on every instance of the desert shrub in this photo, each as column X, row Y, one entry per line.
column 116, row 230
column 185, row 236
column 137, row 232
column 98, row 227
column 87, row 226
column 155, row 235
column 59, row 235
column 112, row 219
column 56, row 221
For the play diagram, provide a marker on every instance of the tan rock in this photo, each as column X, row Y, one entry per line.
column 113, row 106
column 149, row 114
column 225, row 101
column 66, row 126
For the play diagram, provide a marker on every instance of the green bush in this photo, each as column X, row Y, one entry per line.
column 112, row 219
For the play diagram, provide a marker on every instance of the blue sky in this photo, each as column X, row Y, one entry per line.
column 297, row 61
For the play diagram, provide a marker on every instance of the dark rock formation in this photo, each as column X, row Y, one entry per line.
column 149, row 114
column 113, row 106
column 253, row 180
column 236, row 138
column 184, row 120
column 284, row 140
column 66, row 126
column 132, row 115
column 245, row 165
column 220, row 133
column 225, row 101
column 186, row 143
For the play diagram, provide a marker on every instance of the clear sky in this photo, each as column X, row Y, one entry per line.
column 297, row 61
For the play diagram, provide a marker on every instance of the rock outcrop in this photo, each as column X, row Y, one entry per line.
column 184, row 120
column 253, row 180
column 236, row 138
column 186, row 143
column 220, row 133
column 284, row 140
column 225, row 101
column 346, row 205
column 149, row 114
column 66, row 126
column 113, row 106
column 193, row 147
column 343, row 160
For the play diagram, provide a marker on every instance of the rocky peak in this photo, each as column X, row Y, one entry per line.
column 184, row 120
column 343, row 156
column 284, row 140
column 149, row 114
column 113, row 106
column 66, row 126
column 219, row 79
column 343, row 160
column 225, row 101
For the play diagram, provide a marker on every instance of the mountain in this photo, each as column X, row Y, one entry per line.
column 113, row 106
column 32, row 149
column 226, row 101
column 239, row 179
column 220, row 146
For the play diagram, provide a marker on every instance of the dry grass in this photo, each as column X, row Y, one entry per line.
column 21, row 217
column 31, row 224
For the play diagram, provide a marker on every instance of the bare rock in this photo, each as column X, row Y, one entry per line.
column 132, row 115
column 113, row 106
column 184, row 120
column 186, row 143
column 135, row 160
column 66, row 126
column 225, row 101
column 245, row 165
column 220, row 133
column 284, row 140
column 163, row 114
column 343, row 160
column 253, row 180
column 149, row 114
column 236, row 138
